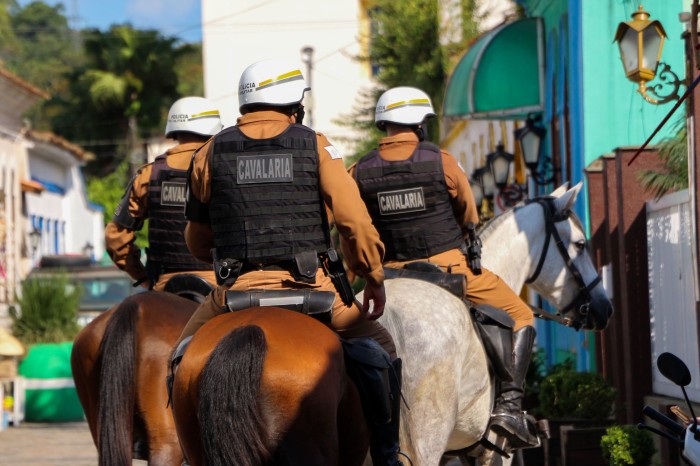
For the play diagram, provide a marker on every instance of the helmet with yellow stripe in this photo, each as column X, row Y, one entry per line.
column 403, row 106
column 195, row 115
column 277, row 83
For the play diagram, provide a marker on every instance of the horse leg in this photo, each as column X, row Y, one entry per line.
column 163, row 445
column 85, row 369
column 353, row 432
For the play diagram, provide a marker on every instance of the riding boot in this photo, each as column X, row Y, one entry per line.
column 384, row 440
column 508, row 418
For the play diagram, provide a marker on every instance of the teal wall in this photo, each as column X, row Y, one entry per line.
column 583, row 68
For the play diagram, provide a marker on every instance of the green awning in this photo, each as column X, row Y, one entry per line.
column 501, row 76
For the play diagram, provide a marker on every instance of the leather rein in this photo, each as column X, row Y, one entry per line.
column 582, row 301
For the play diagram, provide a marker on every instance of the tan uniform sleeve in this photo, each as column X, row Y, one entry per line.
column 120, row 241
column 198, row 235
column 463, row 204
column 362, row 246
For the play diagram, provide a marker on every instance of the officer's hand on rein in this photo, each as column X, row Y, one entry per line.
column 377, row 295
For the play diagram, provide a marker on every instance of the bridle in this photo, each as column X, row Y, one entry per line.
column 582, row 301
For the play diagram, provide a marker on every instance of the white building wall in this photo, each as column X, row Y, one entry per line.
column 237, row 34
column 69, row 222
column 672, row 293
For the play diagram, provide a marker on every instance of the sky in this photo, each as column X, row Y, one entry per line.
column 180, row 18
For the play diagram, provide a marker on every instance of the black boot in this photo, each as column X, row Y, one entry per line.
column 508, row 418
column 384, row 441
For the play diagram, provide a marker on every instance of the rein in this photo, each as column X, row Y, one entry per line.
column 583, row 300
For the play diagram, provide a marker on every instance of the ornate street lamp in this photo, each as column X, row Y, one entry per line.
column 88, row 249
column 478, row 193
column 641, row 42
column 499, row 164
column 531, row 136
column 34, row 240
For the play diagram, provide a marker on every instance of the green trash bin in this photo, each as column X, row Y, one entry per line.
column 50, row 394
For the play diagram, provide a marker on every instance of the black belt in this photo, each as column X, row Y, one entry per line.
column 278, row 266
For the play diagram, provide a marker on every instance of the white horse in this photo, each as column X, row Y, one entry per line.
column 447, row 382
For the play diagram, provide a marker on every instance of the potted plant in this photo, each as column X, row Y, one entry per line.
column 46, row 322
column 623, row 445
column 578, row 406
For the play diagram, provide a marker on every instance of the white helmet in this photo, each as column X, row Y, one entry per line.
column 403, row 106
column 271, row 82
column 193, row 115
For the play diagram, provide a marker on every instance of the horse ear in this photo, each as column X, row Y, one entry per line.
column 560, row 190
column 566, row 200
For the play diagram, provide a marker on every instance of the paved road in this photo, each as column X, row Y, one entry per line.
column 36, row 444
column 58, row 444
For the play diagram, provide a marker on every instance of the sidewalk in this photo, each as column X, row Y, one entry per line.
column 35, row 444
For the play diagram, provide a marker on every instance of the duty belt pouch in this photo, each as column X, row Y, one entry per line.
column 226, row 271
column 368, row 365
column 496, row 331
column 305, row 265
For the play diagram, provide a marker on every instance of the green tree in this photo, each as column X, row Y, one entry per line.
column 46, row 46
column 121, row 95
column 8, row 40
column 673, row 151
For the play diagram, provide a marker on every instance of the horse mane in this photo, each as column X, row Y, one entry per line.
column 229, row 400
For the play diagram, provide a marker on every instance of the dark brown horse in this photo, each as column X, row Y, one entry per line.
column 267, row 386
column 119, row 362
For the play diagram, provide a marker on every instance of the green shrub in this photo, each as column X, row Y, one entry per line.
column 48, row 310
column 566, row 394
column 623, row 445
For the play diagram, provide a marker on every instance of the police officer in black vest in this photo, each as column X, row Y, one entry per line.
column 157, row 193
column 421, row 203
column 258, row 198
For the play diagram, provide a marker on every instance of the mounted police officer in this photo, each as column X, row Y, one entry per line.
column 157, row 193
column 421, row 202
column 257, row 200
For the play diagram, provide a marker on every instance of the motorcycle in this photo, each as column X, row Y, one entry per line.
column 684, row 435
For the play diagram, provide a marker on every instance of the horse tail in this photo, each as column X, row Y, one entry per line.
column 117, row 356
column 229, row 405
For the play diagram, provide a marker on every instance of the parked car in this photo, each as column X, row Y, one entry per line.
column 102, row 286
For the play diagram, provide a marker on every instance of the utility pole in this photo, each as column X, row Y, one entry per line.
column 307, row 56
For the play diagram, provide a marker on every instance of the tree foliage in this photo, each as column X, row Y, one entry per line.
column 405, row 49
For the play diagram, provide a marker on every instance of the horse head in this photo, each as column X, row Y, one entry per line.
column 565, row 272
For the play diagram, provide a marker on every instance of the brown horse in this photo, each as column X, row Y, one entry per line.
column 119, row 362
column 267, row 386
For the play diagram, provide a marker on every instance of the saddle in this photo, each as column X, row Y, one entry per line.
column 188, row 286
column 455, row 283
column 494, row 325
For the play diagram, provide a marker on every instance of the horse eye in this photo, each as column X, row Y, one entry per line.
column 580, row 245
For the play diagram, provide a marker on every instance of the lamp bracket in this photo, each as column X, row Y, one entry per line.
column 654, row 94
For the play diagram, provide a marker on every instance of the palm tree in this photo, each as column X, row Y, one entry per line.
column 673, row 151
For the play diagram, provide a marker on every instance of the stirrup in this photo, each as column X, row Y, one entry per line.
column 516, row 441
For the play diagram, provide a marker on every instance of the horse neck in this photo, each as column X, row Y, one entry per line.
column 512, row 246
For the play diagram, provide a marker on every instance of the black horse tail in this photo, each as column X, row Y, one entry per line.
column 116, row 404
column 229, row 407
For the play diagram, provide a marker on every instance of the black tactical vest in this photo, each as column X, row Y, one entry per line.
column 409, row 203
column 167, row 250
column 266, row 203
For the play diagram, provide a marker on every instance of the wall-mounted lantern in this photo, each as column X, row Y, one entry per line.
column 641, row 42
